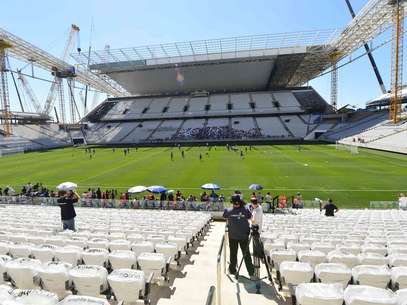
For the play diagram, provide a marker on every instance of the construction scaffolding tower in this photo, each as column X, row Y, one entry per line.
column 4, row 95
column 397, row 61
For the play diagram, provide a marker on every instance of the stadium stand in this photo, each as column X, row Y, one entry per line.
column 267, row 115
column 383, row 136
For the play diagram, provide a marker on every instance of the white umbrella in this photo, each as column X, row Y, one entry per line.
column 210, row 186
column 137, row 189
column 67, row 186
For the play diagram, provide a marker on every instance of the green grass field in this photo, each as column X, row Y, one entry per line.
column 316, row 171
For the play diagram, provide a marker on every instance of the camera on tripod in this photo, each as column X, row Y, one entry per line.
column 255, row 230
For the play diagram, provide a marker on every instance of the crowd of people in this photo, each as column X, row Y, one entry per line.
column 216, row 133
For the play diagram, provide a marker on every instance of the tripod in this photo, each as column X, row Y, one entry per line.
column 258, row 257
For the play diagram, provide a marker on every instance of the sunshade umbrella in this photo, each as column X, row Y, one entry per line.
column 137, row 189
column 170, row 191
column 67, row 186
column 210, row 186
column 255, row 187
column 156, row 189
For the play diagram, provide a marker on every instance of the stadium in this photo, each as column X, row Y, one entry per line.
column 140, row 198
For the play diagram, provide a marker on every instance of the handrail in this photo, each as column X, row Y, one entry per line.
column 210, row 300
column 222, row 250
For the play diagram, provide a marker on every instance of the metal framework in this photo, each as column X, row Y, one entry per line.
column 397, row 62
column 27, row 52
column 4, row 95
column 226, row 48
column 373, row 19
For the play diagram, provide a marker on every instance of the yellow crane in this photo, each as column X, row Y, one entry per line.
column 397, row 60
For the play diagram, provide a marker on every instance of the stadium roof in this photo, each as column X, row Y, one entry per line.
column 258, row 62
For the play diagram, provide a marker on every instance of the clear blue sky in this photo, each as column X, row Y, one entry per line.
column 125, row 23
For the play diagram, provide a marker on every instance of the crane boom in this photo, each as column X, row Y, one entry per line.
column 29, row 92
column 52, row 92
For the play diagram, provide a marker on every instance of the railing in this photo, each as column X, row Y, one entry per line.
column 222, row 251
column 210, row 300
column 118, row 203
column 383, row 205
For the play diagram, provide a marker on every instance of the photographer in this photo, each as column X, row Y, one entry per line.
column 239, row 229
column 66, row 201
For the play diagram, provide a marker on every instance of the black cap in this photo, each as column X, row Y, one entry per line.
column 235, row 199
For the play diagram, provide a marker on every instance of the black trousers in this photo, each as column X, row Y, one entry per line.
column 244, row 247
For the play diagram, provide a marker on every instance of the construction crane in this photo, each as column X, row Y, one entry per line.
column 397, row 60
column 4, row 94
column 29, row 91
column 59, row 74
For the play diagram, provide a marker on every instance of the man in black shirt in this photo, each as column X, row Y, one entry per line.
column 239, row 229
column 330, row 208
column 67, row 210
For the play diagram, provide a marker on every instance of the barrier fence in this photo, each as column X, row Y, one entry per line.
column 118, row 203
column 167, row 205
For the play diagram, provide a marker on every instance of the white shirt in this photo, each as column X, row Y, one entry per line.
column 403, row 202
column 257, row 217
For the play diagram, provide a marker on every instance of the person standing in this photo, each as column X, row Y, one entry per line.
column 330, row 208
column 268, row 200
column 257, row 214
column 68, row 214
column 239, row 230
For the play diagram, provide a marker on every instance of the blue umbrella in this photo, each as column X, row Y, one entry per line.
column 255, row 187
column 156, row 189
column 210, row 186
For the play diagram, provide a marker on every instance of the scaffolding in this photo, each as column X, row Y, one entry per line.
column 397, row 62
column 27, row 52
column 4, row 94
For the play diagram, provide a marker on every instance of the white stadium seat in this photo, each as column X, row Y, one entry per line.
column 146, row 246
column 44, row 253
column 20, row 250
column 69, row 254
column 397, row 260
column 127, row 285
column 169, row 250
column 372, row 259
column 367, row 295
column 152, row 263
column 295, row 273
column 401, row 296
column 312, row 257
column 372, row 275
column 89, row 280
column 54, row 277
column 35, row 297
column 3, row 261
column 23, row 272
column 83, row 300
column 122, row 259
column 119, row 244
column 348, row 259
column 399, row 277
column 95, row 256
column 5, row 293
column 319, row 294
column 333, row 273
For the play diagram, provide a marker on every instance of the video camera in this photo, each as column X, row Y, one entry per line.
column 255, row 229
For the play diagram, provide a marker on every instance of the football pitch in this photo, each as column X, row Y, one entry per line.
column 351, row 180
